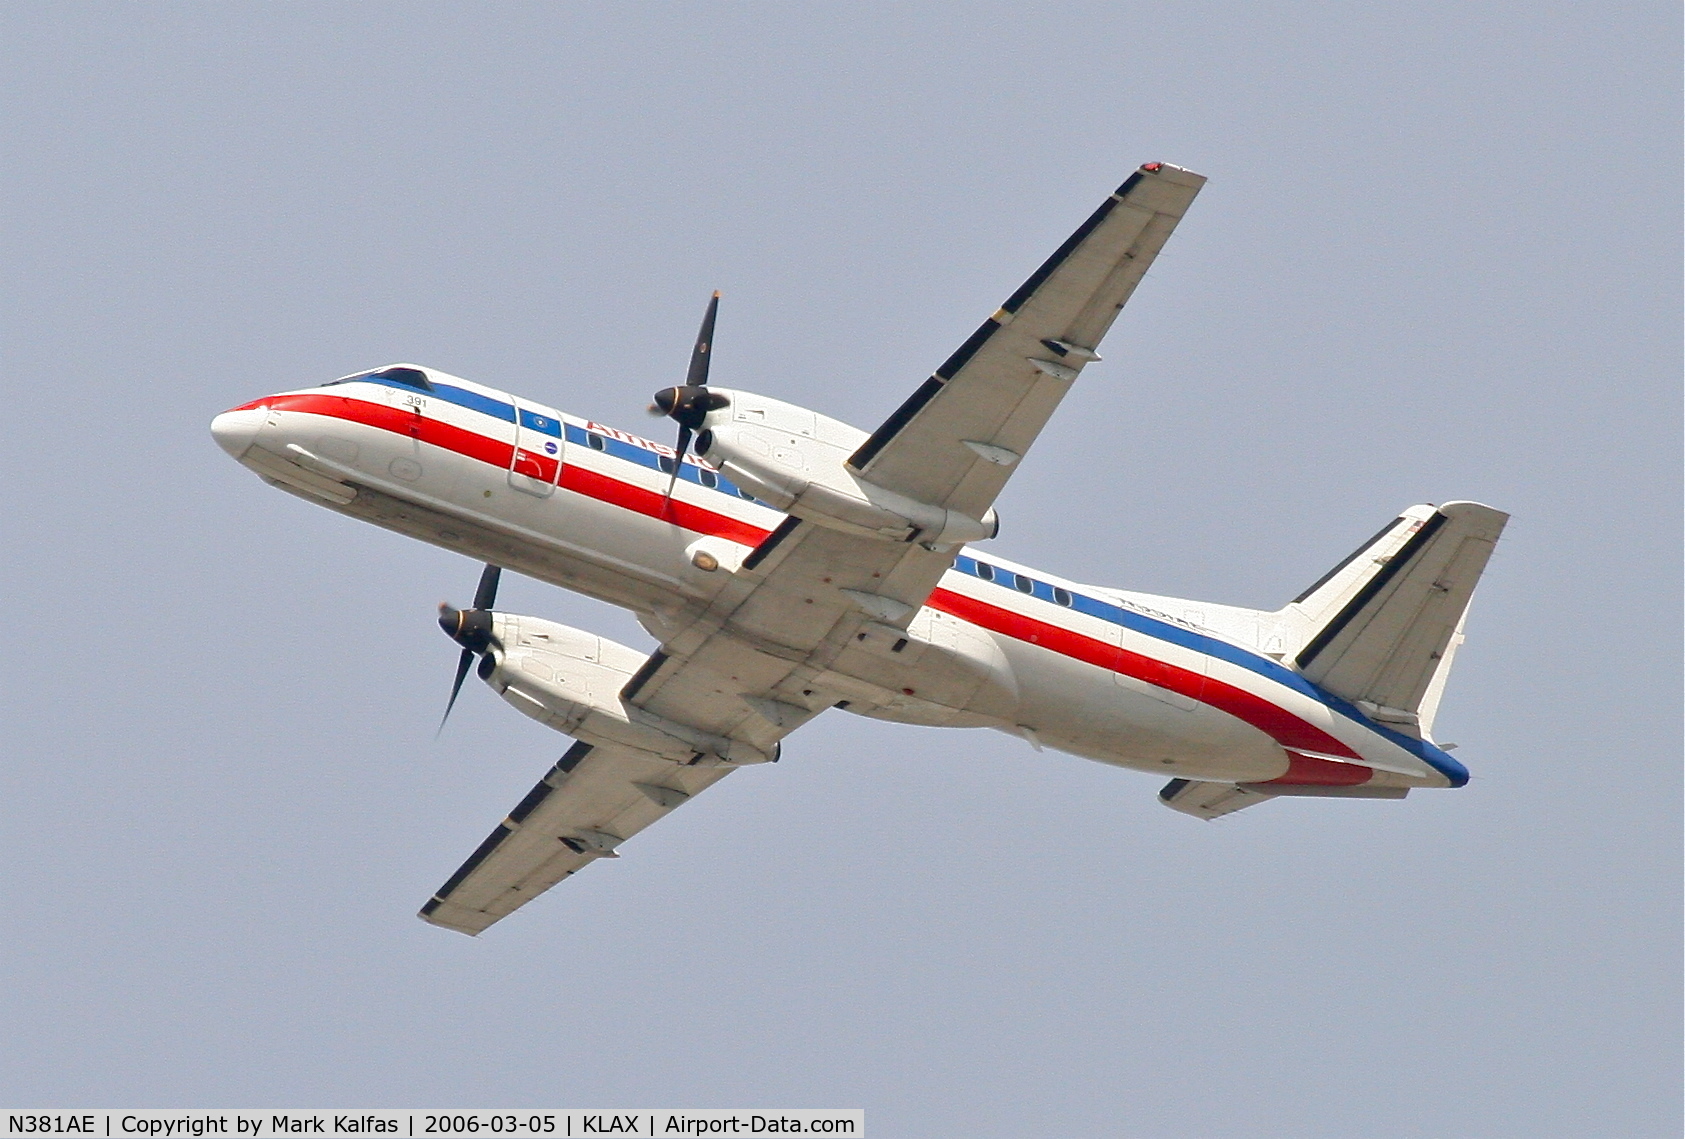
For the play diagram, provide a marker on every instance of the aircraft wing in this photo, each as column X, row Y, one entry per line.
column 592, row 800
column 761, row 659
column 765, row 654
column 956, row 439
column 771, row 649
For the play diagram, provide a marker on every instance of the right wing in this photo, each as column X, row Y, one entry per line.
column 771, row 640
column 594, row 798
column 956, row 439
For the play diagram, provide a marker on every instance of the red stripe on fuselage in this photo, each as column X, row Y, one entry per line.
column 637, row 499
column 1277, row 723
column 496, row 453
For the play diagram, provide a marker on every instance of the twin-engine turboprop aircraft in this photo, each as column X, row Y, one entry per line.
column 795, row 564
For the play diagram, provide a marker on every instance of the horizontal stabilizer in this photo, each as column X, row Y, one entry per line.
column 1324, row 791
column 1380, row 629
column 1210, row 801
column 1205, row 800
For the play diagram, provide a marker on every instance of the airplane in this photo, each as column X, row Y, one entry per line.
column 787, row 563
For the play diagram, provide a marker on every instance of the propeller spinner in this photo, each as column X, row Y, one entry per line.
column 470, row 628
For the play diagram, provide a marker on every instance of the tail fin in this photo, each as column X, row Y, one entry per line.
column 1380, row 628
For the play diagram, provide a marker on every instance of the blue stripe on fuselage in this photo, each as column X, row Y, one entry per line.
column 462, row 397
column 631, row 453
column 552, row 426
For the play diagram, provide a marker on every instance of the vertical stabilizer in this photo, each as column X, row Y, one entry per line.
column 1380, row 628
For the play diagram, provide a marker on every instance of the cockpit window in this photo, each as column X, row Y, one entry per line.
column 409, row 377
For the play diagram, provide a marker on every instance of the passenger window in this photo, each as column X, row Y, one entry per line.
column 595, row 440
column 1024, row 584
column 1061, row 597
column 665, row 462
column 985, row 571
column 708, row 477
column 745, row 495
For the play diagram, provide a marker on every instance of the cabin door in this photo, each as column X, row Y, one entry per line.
column 536, row 465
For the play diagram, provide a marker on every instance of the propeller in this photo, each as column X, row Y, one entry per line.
column 688, row 404
column 470, row 628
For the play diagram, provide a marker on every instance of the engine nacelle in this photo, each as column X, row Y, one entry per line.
column 571, row 680
column 795, row 459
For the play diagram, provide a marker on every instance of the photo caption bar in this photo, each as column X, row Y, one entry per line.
column 253, row 1123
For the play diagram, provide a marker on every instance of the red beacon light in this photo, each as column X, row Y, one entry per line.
column 1153, row 167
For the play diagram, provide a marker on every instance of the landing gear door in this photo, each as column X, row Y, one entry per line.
column 536, row 465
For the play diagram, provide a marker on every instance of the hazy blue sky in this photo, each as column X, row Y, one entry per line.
column 1438, row 258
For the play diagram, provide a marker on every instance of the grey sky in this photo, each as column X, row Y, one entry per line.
column 1437, row 258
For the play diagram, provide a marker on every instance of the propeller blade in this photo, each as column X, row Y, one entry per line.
column 704, row 350
column 472, row 628
column 688, row 405
column 486, row 595
column 463, row 663
column 678, row 460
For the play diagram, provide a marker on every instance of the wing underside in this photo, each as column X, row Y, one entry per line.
column 594, row 798
column 955, row 441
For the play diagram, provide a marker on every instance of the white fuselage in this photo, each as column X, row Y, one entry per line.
column 1181, row 688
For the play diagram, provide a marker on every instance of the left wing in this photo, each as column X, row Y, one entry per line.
column 592, row 800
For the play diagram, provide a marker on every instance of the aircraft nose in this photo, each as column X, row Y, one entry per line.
column 235, row 430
